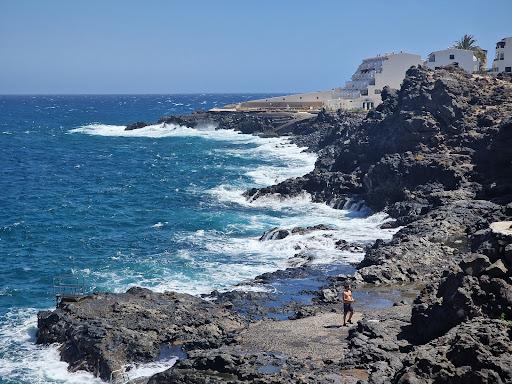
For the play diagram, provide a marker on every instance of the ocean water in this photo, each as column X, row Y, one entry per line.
column 160, row 207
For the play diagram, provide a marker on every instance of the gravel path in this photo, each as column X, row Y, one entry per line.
column 317, row 337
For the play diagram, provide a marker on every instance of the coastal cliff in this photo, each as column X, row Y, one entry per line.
column 436, row 156
column 428, row 154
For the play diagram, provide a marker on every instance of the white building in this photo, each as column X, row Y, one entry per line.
column 503, row 59
column 362, row 92
column 373, row 74
column 464, row 58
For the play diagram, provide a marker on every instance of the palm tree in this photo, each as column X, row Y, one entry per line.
column 466, row 42
column 469, row 42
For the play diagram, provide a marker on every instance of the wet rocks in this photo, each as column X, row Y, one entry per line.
column 236, row 366
column 177, row 120
column 102, row 332
column 274, row 234
column 440, row 143
column 229, row 366
column 269, row 124
column 136, row 125
column 280, row 233
column 344, row 245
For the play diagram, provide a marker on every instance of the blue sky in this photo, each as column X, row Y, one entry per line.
column 151, row 46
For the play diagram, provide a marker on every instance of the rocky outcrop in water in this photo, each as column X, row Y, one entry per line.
column 281, row 233
column 103, row 332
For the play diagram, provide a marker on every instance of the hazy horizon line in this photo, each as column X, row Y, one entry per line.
column 147, row 94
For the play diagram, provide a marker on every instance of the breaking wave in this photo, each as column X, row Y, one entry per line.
column 209, row 257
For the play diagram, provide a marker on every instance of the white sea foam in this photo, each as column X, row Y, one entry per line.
column 263, row 256
column 24, row 361
column 243, row 258
column 295, row 160
column 161, row 131
column 150, row 369
column 239, row 258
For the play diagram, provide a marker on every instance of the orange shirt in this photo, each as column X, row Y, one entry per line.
column 347, row 297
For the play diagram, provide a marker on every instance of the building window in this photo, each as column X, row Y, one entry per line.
column 378, row 91
column 452, row 57
column 502, row 56
column 508, row 69
column 432, row 58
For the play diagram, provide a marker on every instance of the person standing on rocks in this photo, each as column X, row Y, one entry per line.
column 348, row 300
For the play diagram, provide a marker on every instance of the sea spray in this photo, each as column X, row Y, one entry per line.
column 161, row 207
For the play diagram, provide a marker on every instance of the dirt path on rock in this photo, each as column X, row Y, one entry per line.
column 319, row 337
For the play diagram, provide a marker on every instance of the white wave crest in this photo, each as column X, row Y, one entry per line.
column 294, row 160
column 165, row 130
column 21, row 360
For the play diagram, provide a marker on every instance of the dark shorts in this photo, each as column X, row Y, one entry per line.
column 347, row 307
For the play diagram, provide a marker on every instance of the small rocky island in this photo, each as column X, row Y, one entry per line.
column 437, row 157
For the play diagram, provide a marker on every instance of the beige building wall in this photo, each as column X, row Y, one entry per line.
column 313, row 100
column 362, row 92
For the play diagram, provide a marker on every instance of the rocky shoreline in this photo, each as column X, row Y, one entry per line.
column 437, row 157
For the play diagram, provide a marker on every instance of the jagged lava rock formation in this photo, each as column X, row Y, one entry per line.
column 103, row 332
column 435, row 155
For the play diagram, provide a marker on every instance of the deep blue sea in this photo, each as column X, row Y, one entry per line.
column 159, row 207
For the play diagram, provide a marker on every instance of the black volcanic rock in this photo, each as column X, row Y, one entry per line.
column 137, row 125
column 426, row 247
column 102, row 332
column 176, row 120
column 481, row 285
column 478, row 351
column 275, row 234
column 281, row 233
column 230, row 366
